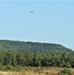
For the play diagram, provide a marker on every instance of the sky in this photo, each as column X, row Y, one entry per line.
column 50, row 22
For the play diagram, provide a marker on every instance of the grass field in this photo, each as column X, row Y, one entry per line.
column 36, row 71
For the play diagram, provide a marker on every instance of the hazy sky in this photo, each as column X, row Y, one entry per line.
column 51, row 21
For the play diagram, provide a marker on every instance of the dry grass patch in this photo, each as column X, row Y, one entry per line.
column 36, row 71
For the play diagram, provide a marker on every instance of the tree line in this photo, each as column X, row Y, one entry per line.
column 14, row 58
column 33, row 47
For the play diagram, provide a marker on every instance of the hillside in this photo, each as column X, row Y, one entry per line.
column 32, row 46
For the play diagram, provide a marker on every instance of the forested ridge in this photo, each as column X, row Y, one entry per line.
column 15, row 54
column 33, row 47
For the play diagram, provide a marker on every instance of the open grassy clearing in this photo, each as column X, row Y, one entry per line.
column 36, row 71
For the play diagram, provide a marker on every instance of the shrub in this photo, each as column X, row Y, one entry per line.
column 65, row 72
column 47, row 73
column 17, row 68
column 8, row 67
column 1, row 66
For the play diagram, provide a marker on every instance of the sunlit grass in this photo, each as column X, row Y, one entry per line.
column 35, row 71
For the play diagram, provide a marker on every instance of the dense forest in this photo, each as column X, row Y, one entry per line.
column 32, row 47
column 14, row 54
column 14, row 58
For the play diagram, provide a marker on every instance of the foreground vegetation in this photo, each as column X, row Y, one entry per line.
column 28, row 58
column 12, row 60
column 29, row 63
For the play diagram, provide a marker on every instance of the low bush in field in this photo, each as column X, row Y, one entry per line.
column 8, row 68
column 1, row 67
column 65, row 72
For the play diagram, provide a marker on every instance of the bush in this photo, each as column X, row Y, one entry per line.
column 65, row 72
column 1, row 66
column 47, row 73
column 8, row 67
column 17, row 68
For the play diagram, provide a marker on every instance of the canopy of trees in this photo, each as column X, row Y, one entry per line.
column 16, row 53
column 33, row 47
column 14, row 58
